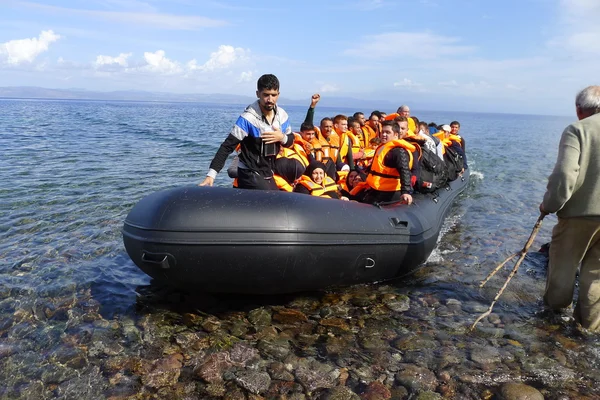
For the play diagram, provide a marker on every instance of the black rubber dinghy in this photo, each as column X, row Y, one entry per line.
column 225, row 240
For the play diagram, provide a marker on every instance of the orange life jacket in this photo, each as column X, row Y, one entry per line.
column 447, row 140
column 348, row 139
column 368, row 134
column 282, row 184
column 387, row 179
column 329, row 148
column 342, row 180
column 315, row 189
column 294, row 153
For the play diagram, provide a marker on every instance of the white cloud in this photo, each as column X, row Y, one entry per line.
column 157, row 62
column 578, row 31
column 26, row 50
column 406, row 44
column 406, row 83
column 245, row 76
column 225, row 57
column 328, row 88
column 451, row 83
column 121, row 60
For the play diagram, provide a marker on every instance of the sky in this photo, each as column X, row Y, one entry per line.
column 511, row 56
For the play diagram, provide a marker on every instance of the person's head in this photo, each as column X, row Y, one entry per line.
column 390, row 130
column 383, row 115
column 446, row 129
column 326, row 127
column 454, row 127
column 404, row 111
column 340, row 123
column 354, row 127
column 360, row 117
column 354, row 178
column 403, row 125
column 423, row 127
column 267, row 91
column 316, row 172
column 307, row 131
column 587, row 102
column 374, row 142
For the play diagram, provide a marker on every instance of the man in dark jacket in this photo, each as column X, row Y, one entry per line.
column 260, row 130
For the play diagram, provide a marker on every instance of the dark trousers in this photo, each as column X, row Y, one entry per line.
column 248, row 179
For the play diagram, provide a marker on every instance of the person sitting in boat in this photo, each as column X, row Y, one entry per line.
column 367, row 132
column 261, row 130
column 329, row 141
column 349, row 144
column 374, row 123
column 315, row 182
column 354, row 187
column 289, row 166
column 389, row 178
column 453, row 141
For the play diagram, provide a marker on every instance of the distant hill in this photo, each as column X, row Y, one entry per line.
column 32, row 92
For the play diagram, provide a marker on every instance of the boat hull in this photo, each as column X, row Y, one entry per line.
column 225, row 240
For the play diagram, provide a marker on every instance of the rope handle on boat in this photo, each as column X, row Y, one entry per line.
column 380, row 204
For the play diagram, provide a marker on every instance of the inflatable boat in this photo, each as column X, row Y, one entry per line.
column 225, row 240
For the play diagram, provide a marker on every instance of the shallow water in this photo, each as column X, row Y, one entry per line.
column 79, row 320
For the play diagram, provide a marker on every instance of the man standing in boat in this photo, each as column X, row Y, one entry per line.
column 260, row 130
column 573, row 193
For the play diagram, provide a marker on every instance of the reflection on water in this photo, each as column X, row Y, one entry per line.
column 79, row 320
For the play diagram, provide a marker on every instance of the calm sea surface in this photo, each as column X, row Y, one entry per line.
column 79, row 320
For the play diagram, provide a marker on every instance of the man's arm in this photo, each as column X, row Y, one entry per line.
column 566, row 171
column 218, row 162
column 310, row 113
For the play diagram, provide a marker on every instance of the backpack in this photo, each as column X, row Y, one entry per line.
column 454, row 163
column 433, row 173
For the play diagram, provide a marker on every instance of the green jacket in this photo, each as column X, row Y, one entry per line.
column 574, row 186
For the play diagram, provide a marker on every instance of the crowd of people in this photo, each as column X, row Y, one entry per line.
column 385, row 158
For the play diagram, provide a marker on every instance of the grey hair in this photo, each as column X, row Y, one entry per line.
column 403, row 107
column 589, row 99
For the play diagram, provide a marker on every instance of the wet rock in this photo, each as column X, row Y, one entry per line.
column 444, row 311
column 416, row 378
column 428, row 395
column 313, row 375
column 238, row 328
column 259, row 317
column 211, row 324
column 485, row 355
column 519, row 391
column 336, row 345
column 278, row 371
column 276, row 348
column 7, row 350
column 253, row 381
column 213, row 367
column 215, row 389
column 192, row 320
column 399, row 392
column 412, row 342
column 337, row 324
column 70, row 357
column 399, row 304
column 289, row 316
column 373, row 343
column 376, row 391
column 339, row 393
column 90, row 385
column 362, row 300
column 241, row 354
column 164, row 372
column 186, row 339
column 234, row 393
column 53, row 373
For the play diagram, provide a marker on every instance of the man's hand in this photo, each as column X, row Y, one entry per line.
column 272, row 137
column 314, row 100
column 308, row 147
column 406, row 198
column 542, row 211
column 208, row 181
